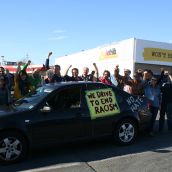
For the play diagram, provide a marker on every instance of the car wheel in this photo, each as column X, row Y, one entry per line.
column 126, row 131
column 13, row 147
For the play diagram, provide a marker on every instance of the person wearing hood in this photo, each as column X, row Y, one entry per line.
column 22, row 86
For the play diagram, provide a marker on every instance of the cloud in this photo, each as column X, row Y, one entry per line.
column 59, row 31
column 58, row 38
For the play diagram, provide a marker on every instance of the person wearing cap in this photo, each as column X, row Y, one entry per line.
column 153, row 93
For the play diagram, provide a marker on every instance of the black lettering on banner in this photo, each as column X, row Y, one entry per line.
column 164, row 55
column 156, row 54
column 101, row 109
column 115, row 106
column 91, row 96
column 98, row 94
column 110, row 100
column 106, row 107
column 106, row 100
column 97, row 110
column 96, row 102
column 103, row 94
column 112, row 107
column 92, row 102
column 169, row 55
column 102, row 103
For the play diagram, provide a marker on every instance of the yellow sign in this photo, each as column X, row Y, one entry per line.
column 102, row 103
column 108, row 54
column 157, row 54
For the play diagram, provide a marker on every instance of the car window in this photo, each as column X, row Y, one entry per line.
column 120, row 95
column 96, row 86
column 68, row 98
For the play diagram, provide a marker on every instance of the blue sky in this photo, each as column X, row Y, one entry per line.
column 35, row 27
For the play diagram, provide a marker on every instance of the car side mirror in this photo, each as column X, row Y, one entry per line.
column 45, row 109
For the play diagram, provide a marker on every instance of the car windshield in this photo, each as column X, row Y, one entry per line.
column 32, row 99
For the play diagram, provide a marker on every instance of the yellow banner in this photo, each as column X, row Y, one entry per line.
column 157, row 54
column 102, row 103
column 108, row 54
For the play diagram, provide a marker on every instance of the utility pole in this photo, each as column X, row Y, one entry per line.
column 2, row 60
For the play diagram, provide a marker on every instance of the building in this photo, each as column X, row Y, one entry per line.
column 130, row 54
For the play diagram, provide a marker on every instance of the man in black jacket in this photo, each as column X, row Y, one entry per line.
column 166, row 104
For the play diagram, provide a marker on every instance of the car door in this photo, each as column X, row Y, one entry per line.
column 103, row 125
column 67, row 120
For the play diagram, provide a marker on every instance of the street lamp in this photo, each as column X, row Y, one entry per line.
column 2, row 60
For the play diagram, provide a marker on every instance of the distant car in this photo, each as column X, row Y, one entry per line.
column 71, row 111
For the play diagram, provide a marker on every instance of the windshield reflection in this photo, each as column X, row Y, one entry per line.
column 32, row 99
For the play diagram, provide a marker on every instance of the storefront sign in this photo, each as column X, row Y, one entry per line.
column 157, row 54
column 108, row 54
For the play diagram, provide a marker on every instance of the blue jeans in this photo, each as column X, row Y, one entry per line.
column 154, row 111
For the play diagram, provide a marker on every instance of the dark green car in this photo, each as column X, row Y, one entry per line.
column 70, row 111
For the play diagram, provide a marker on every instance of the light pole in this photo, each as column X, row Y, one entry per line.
column 2, row 60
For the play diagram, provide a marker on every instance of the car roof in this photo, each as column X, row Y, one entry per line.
column 54, row 86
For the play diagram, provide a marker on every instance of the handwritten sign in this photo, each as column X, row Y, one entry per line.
column 134, row 103
column 102, row 103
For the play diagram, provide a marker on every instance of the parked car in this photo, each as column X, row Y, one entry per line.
column 71, row 111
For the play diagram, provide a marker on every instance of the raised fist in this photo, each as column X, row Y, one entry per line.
column 49, row 54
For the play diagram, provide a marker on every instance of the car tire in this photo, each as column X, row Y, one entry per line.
column 13, row 147
column 125, row 132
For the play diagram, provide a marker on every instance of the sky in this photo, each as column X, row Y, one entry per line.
column 29, row 29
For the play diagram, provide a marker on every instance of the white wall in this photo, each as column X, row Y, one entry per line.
column 123, row 57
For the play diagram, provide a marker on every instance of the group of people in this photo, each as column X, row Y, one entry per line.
column 143, row 83
column 156, row 89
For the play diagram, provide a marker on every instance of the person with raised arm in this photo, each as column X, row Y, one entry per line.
column 90, row 77
column 22, row 85
column 106, row 78
column 74, row 76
